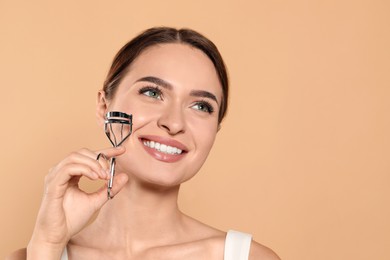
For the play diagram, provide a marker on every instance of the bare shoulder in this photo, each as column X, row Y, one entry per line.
column 20, row 254
column 260, row 252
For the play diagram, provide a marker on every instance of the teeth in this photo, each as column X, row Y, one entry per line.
column 163, row 147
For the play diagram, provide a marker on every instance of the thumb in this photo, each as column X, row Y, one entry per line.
column 119, row 182
column 100, row 197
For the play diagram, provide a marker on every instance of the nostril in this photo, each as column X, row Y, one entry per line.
column 166, row 127
column 172, row 126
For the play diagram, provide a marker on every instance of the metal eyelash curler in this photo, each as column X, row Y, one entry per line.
column 118, row 127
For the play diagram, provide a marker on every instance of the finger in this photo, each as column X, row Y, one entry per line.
column 68, row 175
column 112, row 151
column 120, row 181
column 108, row 152
column 104, row 163
column 98, row 166
column 80, row 158
column 74, row 170
column 87, row 157
column 100, row 197
column 105, row 154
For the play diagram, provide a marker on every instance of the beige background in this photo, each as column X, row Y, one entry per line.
column 303, row 159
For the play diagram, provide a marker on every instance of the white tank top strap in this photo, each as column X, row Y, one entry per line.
column 237, row 245
column 64, row 254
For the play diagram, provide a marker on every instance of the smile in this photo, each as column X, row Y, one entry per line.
column 162, row 148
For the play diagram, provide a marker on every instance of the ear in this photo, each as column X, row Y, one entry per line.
column 101, row 108
column 219, row 127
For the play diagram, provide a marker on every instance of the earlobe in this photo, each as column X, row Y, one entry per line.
column 101, row 107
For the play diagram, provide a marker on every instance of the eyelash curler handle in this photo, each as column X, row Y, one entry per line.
column 125, row 121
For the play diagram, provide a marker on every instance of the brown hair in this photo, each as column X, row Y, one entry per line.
column 159, row 35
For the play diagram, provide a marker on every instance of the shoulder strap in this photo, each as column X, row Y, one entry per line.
column 64, row 254
column 237, row 245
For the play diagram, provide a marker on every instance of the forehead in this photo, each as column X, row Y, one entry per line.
column 180, row 64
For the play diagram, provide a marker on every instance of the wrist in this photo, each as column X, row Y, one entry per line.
column 44, row 250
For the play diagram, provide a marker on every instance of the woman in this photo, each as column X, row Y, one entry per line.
column 175, row 85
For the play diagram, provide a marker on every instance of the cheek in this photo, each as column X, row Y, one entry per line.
column 205, row 136
column 142, row 113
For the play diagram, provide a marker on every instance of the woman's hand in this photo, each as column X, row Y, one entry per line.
column 65, row 209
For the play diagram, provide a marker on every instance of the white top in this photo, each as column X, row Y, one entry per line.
column 64, row 255
column 237, row 246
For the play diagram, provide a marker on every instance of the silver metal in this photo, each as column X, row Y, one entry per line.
column 111, row 180
column 118, row 127
column 101, row 155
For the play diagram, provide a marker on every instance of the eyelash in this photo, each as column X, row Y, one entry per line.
column 208, row 107
column 157, row 90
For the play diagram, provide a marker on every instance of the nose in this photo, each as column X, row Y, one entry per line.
column 172, row 120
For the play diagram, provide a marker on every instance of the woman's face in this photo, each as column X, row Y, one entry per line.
column 173, row 93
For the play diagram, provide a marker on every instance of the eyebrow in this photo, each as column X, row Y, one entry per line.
column 203, row 93
column 156, row 81
column 167, row 85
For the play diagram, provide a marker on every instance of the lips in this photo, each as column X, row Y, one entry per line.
column 164, row 149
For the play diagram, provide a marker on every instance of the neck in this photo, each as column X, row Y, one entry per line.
column 138, row 214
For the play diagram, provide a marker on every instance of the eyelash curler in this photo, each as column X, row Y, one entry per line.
column 118, row 127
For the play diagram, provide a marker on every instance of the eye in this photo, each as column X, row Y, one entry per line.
column 204, row 106
column 153, row 92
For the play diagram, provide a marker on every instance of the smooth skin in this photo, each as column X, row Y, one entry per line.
column 174, row 93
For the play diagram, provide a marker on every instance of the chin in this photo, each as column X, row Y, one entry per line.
column 162, row 179
column 157, row 173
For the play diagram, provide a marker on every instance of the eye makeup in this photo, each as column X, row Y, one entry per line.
column 204, row 106
column 157, row 93
column 151, row 91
